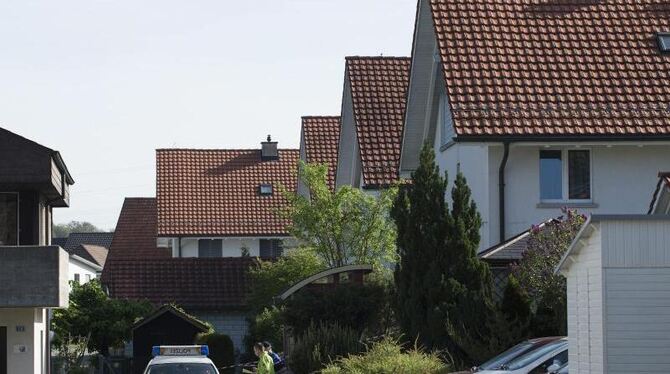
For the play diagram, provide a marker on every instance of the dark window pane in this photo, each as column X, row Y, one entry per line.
column 265, row 248
column 551, row 175
column 270, row 248
column 579, row 175
column 9, row 219
column 210, row 248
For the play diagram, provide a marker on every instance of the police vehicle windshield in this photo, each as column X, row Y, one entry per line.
column 181, row 368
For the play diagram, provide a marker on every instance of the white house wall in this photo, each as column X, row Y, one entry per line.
column 76, row 267
column 585, row 312
column 25, row 328
column 472, row 161
column 623, row 179
column 348, row 162
column 423, row 78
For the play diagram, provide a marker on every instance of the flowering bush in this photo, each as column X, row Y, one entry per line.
column 535, row 272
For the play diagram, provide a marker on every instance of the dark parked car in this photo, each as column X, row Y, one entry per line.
column 514, row 352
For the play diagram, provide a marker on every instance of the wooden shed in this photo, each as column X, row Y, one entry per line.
column 618, row 289
column 167, row 326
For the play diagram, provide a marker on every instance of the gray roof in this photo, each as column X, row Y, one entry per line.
column 511, row 249
column 101, row 239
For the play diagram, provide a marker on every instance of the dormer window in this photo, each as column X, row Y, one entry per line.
column 663, row 42
column 265, row 189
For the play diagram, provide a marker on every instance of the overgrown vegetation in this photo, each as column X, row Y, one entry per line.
column 322, row 344
column 269, row 279
column 91, row 313
column 388, row 357
column 360, row 307
column 221, row 350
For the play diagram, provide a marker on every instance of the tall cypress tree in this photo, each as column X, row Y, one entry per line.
column 442, row 287
column 422, row 218
column 469, row 283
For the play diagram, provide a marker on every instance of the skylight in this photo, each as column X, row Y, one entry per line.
column 664, row 42
column 265, row 189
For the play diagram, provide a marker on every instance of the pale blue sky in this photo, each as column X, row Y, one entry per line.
column 108, row 82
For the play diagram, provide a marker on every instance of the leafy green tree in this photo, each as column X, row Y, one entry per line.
column 535, row 272
column 91, row 313
column 443, row 289
column 63, row 230
column 347, row 226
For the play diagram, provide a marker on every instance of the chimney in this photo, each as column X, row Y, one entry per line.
column 269, row 150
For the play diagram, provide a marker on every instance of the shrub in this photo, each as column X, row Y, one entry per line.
column 387, row 357
column 266, row 326
column 321, row 344
column 355, row 306
column 221, row 350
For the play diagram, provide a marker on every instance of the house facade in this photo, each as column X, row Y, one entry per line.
column 33, row 274
column 215, row 212
column 224, row 203
column 536, row 123
column 373, row 106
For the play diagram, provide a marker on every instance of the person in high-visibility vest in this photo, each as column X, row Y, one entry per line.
column 265, row 364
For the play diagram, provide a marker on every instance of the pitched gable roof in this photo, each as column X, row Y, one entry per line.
column 136, row 269
column 511, row 249
column 93, row 253
column 548, row 68
column 75, row 239
column 321, row 135
column 378, row 93
column 215, row 192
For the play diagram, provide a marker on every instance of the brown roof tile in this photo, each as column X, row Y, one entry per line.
column 321, row 135
column 215, row 192
column 554, row 67
column 137, row 269
column 93, row 253
column 378, row 90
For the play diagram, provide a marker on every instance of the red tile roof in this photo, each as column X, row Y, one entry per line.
column 215, row 192
column 136, row 269
column 192, row 283
column 554, row 67
column 135, row 233
column 378, row 90
column 321, row 135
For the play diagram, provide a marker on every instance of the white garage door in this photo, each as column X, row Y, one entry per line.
column 637, row 327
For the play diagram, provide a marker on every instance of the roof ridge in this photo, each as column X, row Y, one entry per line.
column 378, row 57
column 220, row 149
column 322, row 116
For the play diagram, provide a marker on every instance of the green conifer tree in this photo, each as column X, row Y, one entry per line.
column 422, row 219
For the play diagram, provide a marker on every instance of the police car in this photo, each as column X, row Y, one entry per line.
column 180, row 359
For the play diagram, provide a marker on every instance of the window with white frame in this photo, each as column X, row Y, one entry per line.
column 565, row 175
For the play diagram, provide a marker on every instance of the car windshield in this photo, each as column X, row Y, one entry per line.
column 182, row 368
column 507, row 356
column 533, row 356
